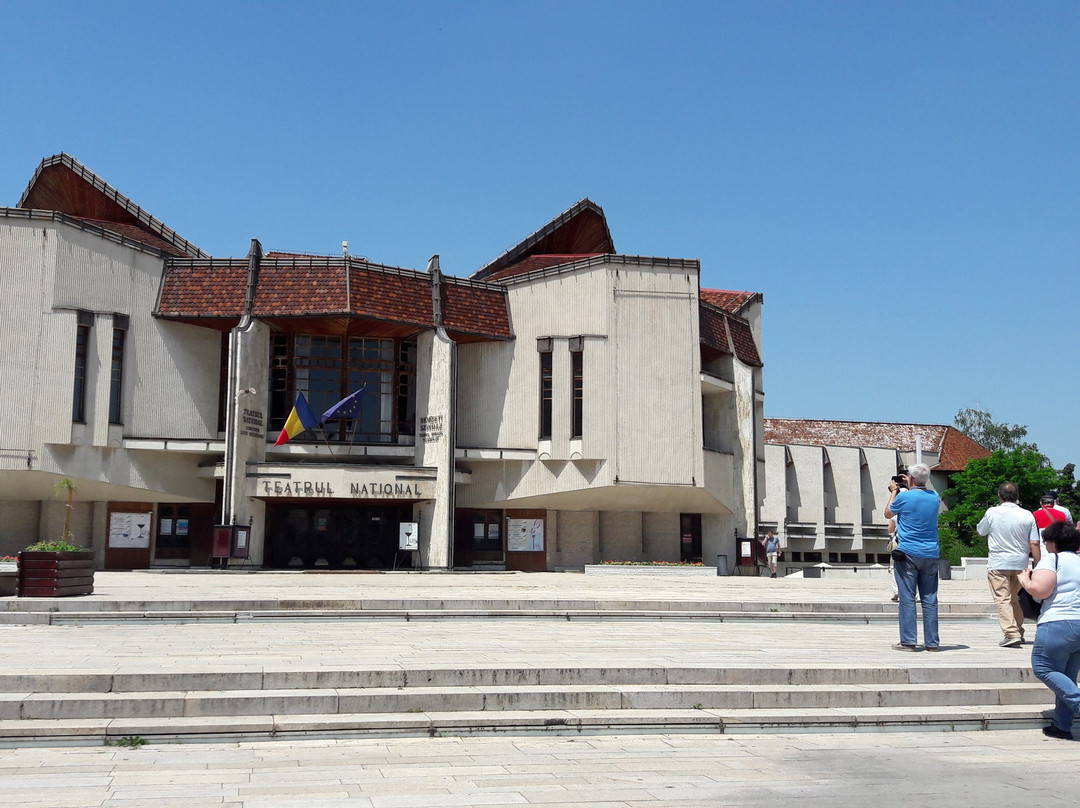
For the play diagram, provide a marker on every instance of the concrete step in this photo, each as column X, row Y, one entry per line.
column 90, row 682
column 59, row 732
column 69, row 611
column 176, row 704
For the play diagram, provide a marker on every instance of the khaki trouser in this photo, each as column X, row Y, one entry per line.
column 1004, row 585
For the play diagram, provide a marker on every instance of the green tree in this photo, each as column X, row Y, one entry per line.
column 974, row 490
column 979, row 425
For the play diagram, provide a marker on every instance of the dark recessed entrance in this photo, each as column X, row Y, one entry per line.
column 318, row 534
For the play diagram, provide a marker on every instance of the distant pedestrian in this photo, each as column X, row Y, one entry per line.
column 772, row 551
column 916, row 556
column 1062, row 508
column 1013, row 536
column 1055, row 657
column 901, row 482
column 1046, row 515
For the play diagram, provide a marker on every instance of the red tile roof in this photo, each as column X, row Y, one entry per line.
column 713, row 327
column 203, row 289
column 728, row 301
column 958, row 449
column 135, row 233
column 953, row 447
column 535, row 262
column 743, row 339
column 728, row 333
column 474, row 310
column 309, row 286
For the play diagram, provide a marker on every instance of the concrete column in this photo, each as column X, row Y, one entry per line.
column 245, row 430
column 435, row 443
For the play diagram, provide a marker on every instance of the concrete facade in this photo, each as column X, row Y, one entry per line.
column 564, row 405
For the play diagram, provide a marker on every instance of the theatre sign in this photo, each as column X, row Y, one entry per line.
column 272, row 481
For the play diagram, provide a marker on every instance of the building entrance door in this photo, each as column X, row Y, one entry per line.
column 315, row 534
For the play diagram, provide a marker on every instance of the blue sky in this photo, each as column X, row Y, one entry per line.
column 900, row 180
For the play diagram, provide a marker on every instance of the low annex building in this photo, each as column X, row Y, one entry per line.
column 827, row 482
column 563, row 405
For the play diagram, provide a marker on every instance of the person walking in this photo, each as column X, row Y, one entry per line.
column 1058, row 506
column 1047, row 514
column 916, row 556
column 772, row 550
column 1055, row 657
column 1012, row 535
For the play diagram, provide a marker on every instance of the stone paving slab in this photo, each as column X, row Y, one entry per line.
column 819, row 770
column 159, row 589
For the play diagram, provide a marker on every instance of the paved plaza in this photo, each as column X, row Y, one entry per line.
column 706, row 769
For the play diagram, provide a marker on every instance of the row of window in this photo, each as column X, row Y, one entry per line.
column 577, row 386
column 83, row 328
column 327, row 369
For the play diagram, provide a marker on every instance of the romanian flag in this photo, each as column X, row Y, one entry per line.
column 299, row 419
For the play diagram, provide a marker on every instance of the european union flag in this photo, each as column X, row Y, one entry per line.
column 348, row 407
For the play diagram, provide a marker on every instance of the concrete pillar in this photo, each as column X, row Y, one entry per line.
column 435, row 444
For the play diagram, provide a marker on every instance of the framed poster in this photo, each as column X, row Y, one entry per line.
column 130, row 530
column 524, row 535
column 408, row 536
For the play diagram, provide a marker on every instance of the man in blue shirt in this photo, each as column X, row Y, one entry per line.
column 916, row 556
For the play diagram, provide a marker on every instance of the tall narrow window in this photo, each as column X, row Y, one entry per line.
column 116, row 377
column 577, row 387
column 82, row 347
column 544, row 346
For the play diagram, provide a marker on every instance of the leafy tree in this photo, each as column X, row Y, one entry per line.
column 979, row 425
column 974, row 490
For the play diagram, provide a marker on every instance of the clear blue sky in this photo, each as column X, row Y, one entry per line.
column 900, row 180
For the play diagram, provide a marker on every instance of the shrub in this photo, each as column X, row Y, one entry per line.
column 49, row 546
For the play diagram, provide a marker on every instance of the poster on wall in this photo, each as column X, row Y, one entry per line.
column 130, row 530
column 524, row 535
column 408, row 536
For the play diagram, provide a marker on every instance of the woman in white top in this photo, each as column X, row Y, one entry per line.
column 1055, row 658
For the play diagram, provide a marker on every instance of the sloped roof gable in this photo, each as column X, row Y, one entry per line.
column 64, row 185
column 580, row 230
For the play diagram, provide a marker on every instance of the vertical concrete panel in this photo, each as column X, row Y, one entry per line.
column 620, row 536
column 845, row 463
column 805, row 492
column 718, row 538
column 774, row 501
column 579, row 535
column 25, row 296
column 661, row 537
column 19, row 522
column 658, row 406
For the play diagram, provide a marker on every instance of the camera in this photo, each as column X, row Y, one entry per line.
column 900, row 480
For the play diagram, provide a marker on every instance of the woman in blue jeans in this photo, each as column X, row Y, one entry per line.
column 1055, row 657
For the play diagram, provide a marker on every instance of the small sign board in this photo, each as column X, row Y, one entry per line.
column 524, row 535
column 130, row 530
column 409, row 536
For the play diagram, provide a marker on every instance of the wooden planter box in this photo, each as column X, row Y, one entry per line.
column 55, row 574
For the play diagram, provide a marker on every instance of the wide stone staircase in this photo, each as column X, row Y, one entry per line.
column 47, row 706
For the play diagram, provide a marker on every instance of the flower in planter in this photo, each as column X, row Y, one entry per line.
column 49, row 546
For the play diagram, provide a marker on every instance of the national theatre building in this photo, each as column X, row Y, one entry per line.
column 560, row 406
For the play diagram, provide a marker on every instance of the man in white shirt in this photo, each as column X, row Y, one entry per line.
column 1013, row 535
column 1062, row 508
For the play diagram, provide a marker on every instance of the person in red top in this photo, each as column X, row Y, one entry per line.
column 1047, row 514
